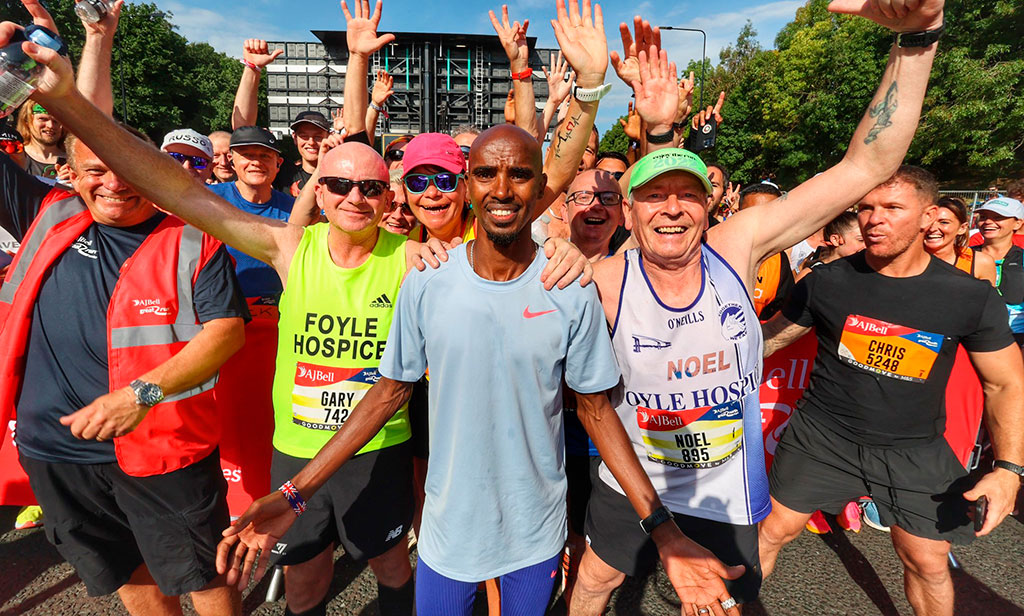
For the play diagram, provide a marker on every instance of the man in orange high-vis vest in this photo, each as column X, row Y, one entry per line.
column 116, row 317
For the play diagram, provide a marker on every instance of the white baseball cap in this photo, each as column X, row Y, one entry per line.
column 1004, row 206
column 189, row 137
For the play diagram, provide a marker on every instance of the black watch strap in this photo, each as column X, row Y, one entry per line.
column 662, row 138
column 919, row 39
column 1010, row 466
column 658, row 517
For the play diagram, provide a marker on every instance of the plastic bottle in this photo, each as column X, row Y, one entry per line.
column 18, row 72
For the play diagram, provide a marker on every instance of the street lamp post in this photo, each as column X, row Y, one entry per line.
column 703, row 56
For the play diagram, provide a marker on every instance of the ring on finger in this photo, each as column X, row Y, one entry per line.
column 704, row 610
column 729, row 603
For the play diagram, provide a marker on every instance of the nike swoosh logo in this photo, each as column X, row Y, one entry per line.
column 530, row 315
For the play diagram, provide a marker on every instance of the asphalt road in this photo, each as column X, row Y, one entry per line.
column 837, row 574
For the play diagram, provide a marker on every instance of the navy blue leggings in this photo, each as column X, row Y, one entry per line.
column 524, row 592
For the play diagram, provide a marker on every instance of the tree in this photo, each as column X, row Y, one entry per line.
column 615, row 139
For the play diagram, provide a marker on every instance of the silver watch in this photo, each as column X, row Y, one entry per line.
column 146, row 394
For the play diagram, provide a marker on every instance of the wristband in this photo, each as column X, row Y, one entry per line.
column 291, row 493
column 589, row 95
column 1010, row 466
column 680, row 126
column 258, row 69
column 659, row 139
column 380, row 109
column 919, row 39
column 658, row 517
column 523, row 75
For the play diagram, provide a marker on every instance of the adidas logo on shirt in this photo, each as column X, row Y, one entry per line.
column 382, row 301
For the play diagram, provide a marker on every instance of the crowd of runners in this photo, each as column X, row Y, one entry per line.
column 464, row 340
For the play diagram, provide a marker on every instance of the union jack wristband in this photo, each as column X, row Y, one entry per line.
column 291, row 493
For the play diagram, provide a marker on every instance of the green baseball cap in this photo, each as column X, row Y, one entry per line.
column 663, row 161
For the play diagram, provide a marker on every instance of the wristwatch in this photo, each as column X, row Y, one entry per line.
column 1010, row 466
column 589, row 95
column 146, row 394
column 658, row 517
column 919, row 39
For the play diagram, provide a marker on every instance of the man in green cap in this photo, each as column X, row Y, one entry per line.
column 685, row 333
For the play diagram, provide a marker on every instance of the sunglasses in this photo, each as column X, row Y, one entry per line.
column 343, row 186
column 618, row 174
column 198, row 162
column 465, row 150
column 445, row 181
column 393, row 156
column 607, row 198
column 12, row 147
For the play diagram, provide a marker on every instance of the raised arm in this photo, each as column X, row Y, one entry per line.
column 94, row 66
column 580, row 34
column 876, row 150
column 559, row 87
column 657, row 97
column 362, row 39
column 383, row 88
column 255, row 55
column 513, row 41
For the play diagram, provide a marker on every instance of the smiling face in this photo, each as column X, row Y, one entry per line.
column 505, row 181
column 222, row 169
column 255, row 165
column 717, row 185
column 110, row 200
column 994, row 226
column 354, row 212
column 669, row 216
column 46, row 129
column 307, row 138
column 180, row 148
column 590, row 221
column 944, row 231
column 440, row 212
column 893, row 217
column 399, row 218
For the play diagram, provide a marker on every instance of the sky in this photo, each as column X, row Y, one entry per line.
column 225, row 24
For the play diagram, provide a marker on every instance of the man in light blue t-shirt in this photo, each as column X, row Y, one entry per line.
column 497, row 344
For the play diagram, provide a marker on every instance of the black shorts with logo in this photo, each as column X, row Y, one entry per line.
column 920, row 489
column 614, row 533
column 106, row 523
column 366, row 506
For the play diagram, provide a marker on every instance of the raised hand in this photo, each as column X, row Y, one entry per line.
column 41, row 17
column 627, row 66
column 703, row 116
column 361, row 28
column 685, row 98
column 258, row 52
column 510, row 107
column 108, row 25
column 897, row 15
column 558, row 86
column 57, row 80
column 580, row 35
column 513, row 38
column 338, row 119
column 657, row 91
column 382, row 88
column 631, row 125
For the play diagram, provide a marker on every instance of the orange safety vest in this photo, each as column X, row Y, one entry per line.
column 150, row 318
column 767, row 284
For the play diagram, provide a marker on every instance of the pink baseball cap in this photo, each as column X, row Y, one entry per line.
column 433, row 149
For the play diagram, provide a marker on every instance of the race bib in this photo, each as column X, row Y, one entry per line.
column 894, row 351
column 697, row 438
column 323, row 397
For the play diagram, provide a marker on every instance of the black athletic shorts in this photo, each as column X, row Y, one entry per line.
column 580, row 475
column 920, row 489
column 366, row 506
column 614, row 533
column 106, row 523
column 418, row 418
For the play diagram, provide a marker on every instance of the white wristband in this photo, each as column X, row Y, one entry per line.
column 589, row 95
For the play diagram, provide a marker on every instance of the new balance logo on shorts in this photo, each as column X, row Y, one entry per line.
column 394, row 534
column 382, row 301
column 279, row 548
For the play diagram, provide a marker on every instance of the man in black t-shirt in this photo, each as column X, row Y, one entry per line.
column 150, row 537
column 873, row 419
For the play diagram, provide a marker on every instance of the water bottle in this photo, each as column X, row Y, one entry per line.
column 18, row 72
column 92, row 11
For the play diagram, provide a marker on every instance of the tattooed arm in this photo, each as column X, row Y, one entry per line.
column 876, row 150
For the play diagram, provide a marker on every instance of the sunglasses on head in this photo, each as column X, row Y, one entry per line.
column 393, row 156
column 343, row 186
column 198, row 162
column 446, row 181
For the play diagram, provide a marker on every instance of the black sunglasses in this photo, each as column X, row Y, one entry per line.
column 393, row 156
column 198, row 162
column 465, row 150
column 343, row 186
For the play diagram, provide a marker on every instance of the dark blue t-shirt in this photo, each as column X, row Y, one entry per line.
column 256, row 277
column 66, row 362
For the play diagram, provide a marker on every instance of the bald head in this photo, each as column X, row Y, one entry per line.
column 354, row 161
column 502, row 140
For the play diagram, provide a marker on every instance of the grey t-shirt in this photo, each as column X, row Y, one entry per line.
column 495, row 491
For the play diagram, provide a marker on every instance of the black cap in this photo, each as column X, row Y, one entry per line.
column 8, row 132
column 254, row 135
column 313, row 117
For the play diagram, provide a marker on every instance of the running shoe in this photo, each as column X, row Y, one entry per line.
column 849, row 517
column 29, row 517
column 818, row 524
column 871, row 518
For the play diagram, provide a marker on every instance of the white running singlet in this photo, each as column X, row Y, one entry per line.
column 689, row 395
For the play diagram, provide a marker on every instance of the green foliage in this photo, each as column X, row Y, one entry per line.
column 615, row 139
column 168, row 82
column 791, row 111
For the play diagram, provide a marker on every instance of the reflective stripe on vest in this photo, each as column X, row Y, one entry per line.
column 57, row 213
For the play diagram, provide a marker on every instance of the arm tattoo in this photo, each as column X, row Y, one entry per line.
column 882, row 112
column 566, row 133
